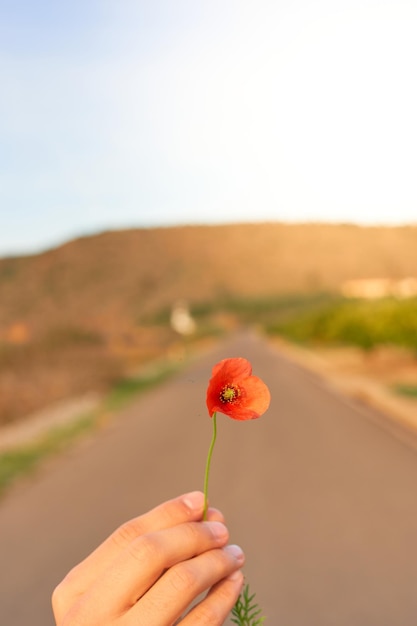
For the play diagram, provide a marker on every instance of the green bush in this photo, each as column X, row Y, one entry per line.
column 356, row 322
column 406, row 390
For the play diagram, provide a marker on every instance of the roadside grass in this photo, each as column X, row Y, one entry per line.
column 406, row 390
column 130, row 387
column 24, row 459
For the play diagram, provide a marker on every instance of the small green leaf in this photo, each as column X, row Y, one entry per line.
column 246, row 611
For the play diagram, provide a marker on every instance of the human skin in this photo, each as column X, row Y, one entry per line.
column 152, row 568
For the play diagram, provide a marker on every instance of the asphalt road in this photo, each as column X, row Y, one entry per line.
column 320, row 494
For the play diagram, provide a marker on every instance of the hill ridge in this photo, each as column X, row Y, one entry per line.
column 129, row 273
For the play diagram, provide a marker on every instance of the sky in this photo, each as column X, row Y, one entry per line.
column 131, row 113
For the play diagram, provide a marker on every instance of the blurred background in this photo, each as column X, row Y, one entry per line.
column 174, row 172
column 83, row 316
column 121, row 122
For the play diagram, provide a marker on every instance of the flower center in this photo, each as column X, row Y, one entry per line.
column 229, row 393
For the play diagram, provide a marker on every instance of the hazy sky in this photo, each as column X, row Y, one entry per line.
column 128, row 112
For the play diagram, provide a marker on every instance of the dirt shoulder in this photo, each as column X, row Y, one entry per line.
column 368, row 376
column 59, row 414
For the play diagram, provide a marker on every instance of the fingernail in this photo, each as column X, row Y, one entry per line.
column 218, row 530
column 194, row 500
column 236, row 552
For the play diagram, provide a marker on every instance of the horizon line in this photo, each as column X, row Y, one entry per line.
column 58, row 242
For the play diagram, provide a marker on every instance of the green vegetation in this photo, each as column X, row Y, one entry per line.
column 406, row 390
column 248, row 310
column 23, row 459
column 246, row 611
column 366, row 324
column 315, row 318
column 127, row 388
column 260, row 310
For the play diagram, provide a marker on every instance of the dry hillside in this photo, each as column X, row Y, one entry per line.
column 116, row 277
column 72, row 318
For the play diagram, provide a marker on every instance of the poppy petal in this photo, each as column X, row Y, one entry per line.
column 257, row 395
column 233, row 369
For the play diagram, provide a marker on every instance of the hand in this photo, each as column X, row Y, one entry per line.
column 152, row 568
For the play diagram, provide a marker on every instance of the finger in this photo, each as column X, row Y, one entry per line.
column 188, row 507
column 143, row 562
column 214, row 515
column 216, row 606
column 173, row 593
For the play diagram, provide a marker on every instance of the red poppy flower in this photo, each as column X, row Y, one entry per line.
column 235, row 392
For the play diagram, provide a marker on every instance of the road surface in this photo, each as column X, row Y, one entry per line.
column 320, row 494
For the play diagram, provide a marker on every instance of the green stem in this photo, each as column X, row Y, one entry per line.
column 206, row 475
